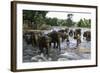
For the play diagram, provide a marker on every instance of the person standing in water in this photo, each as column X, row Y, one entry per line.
column 78, row 40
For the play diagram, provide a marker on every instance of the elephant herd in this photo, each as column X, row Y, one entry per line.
column 54, row 39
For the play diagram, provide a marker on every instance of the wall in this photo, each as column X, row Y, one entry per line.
column 5, row 37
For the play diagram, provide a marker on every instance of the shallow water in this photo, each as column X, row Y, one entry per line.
column 68, row 52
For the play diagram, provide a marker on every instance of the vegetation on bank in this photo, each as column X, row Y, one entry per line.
column 38, row 20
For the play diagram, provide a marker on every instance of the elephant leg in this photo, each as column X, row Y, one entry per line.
column 49, row 44
column 58, row 46
column 41, row 49
column 62, row 39
column 47, row 53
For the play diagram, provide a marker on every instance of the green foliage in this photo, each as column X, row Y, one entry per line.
column 84, row 23
column 62, row 22
column 52, row 21
column 69, row 20
column 38, row 20
column 35, row 17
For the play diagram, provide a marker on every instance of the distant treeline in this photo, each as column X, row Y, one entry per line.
column 38, row 20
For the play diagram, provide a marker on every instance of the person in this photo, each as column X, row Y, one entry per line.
column 78, row 40
column 67, row 41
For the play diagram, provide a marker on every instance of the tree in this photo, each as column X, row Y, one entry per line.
column 52, row 21
column 36, row 17
column 62, row 22
column 80, row 23
column 39, row 20
column 87, row 22
column 84, row 23
column 48, row 21
column 69, row 20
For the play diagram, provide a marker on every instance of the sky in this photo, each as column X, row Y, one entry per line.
column 63, row 15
